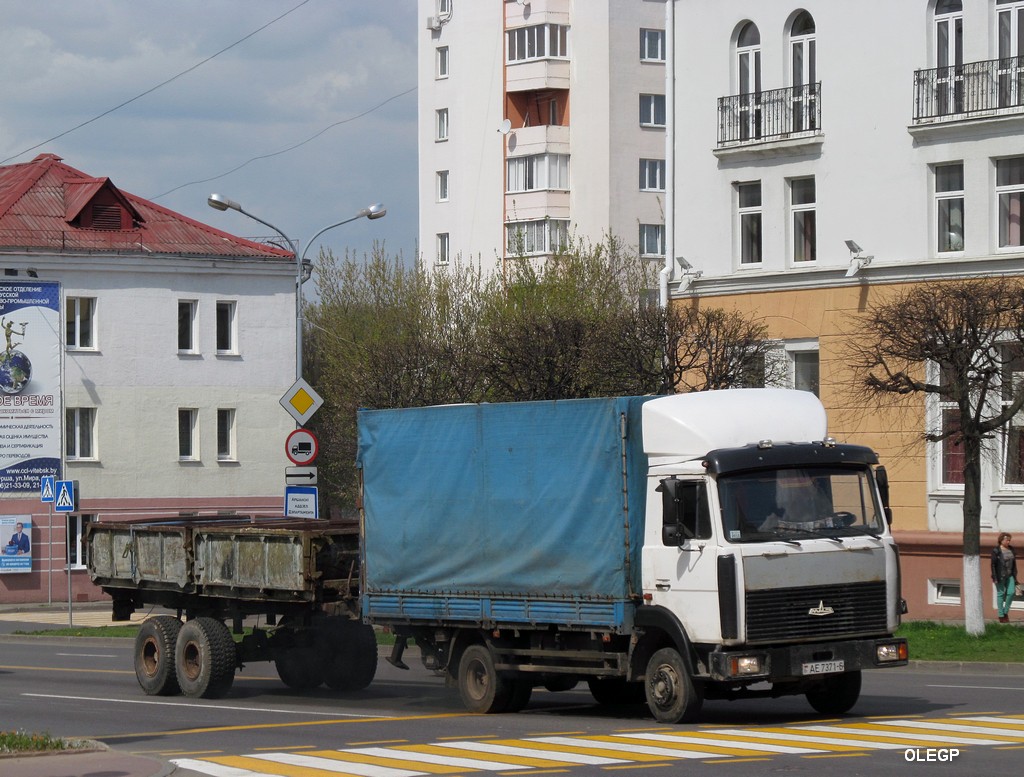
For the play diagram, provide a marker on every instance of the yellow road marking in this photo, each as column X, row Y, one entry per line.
column 602, row 752
column 275, row 767
column 398, row 763
column 478, row 755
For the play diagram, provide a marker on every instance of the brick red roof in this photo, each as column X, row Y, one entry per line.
column 48, row 205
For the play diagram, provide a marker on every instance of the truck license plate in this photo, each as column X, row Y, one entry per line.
column 823, row 667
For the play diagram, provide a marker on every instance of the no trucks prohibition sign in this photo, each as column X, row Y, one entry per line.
column 301, row 447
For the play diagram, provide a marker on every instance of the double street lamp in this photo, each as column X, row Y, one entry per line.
column 376, row 211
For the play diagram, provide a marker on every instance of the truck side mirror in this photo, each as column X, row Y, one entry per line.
column 882, row 479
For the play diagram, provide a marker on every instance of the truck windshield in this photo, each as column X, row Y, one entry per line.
column 794, row 504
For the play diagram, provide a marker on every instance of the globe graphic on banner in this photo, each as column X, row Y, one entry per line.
column 15, row 371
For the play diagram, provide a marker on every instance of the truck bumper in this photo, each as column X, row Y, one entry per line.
column 789, row 663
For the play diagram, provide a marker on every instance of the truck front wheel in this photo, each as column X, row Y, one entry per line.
column 836, row 694
column 205, row 658
column 481, row 687
column 154, row 655
column 672, row 695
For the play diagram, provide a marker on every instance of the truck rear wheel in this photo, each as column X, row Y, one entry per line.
column 481, row 687
column 154, row 655
column 352, row 662
column 671, row 693
column 205, row 658
column 836, row 694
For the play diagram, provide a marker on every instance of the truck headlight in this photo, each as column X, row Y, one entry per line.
column 891, row 651
column 745, row 665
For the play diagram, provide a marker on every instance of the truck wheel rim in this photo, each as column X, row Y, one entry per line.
column 477, row 680
column 192, row 661
column 150, row 657
column 663, row 686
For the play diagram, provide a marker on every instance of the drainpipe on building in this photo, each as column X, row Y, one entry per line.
column 665, row 274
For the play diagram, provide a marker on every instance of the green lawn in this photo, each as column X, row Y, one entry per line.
column 23, row 742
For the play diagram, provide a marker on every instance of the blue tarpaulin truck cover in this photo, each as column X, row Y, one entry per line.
column 525, row 500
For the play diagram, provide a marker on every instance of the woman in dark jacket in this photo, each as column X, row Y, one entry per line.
column 1004, row 575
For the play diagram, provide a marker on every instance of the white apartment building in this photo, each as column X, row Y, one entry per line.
column 806, row 159
column 177, row 342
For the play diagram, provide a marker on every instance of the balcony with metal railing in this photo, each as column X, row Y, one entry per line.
column 784, row 117
column 969, row 91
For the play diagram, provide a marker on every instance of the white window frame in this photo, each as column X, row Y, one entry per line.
column 946, row 239
column 1016, row 192
column 80, row 434
column 799, row 211
column 652, row 108
column 74, row 529
column 537, row 237
column 537, row 172
column 652, row 240
column 444, row 7
column 1017, row 422
column 80, row 329
column 227, row 449
column 441, row 62
column 440, row 125
column 536, row 41
column 652, row 175
column 652, row 45
column 941, row 592
column 228, row 329
column 749, row 214
column 442, row 192
column 189, row 436
column 443, row 245
column 190, row 306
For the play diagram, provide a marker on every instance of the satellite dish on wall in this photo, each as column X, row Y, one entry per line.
column 505, row 127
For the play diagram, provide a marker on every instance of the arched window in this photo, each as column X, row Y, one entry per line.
column 748, row 75
column 949, row 57
column 804, row 75
column 1010, row 43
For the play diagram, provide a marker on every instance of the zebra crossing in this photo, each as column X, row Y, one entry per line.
column 635, row 748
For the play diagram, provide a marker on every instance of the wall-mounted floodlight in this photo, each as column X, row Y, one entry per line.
column 857, row 261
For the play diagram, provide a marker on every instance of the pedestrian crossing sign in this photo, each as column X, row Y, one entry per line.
column 64, row 499
column 47, row 489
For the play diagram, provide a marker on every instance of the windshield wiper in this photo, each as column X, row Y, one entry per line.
column 810, row 533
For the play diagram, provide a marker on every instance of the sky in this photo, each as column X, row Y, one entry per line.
column 302, row 111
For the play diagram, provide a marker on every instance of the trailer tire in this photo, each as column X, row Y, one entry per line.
column 302, row 665
column 154, row 655
column 614, row 691
column 204, row 658
column 837, row 694
column 482, row 689
column 352, row 662
column 672, row 695
column 560, row 683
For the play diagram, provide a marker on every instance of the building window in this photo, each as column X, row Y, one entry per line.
column 537, row 171
column 538, row 41
column 226, row 434
column 441, row 124
column 226, row 335
column 1013, row 433
column 949, row 207
column 75, row 550
column 749, row 211
column 444, row 7
column 1010, row 192
column 748, row 75
column 652, row 110
column 441, row 59
column 944, row 592
column 188, row 449
column 804, row 221
column 443, row 249
column 652, row 240
column 1010, row 35
column 652, row 45
column 79, row 433
column 187, row 326
column 543, row 236
column 951, row 449
column 652, row 175
column 442, row 186
column 804, row 72
column 805, row 371
column 80, row 331
column 949, row 57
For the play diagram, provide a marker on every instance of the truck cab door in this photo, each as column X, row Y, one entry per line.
column 680, row 560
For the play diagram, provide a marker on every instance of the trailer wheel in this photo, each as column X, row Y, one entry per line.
column 154, row 656
column 352, row 663
column 672, row 695
column 615, row 691
column 205, row 658
column 481, row 687
column 836, row 694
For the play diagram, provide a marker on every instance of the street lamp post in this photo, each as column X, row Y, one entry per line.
column 376, row 211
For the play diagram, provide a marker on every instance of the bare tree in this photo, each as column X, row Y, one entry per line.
column 961, row 342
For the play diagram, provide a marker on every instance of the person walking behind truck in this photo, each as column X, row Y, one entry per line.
column 1004, row 575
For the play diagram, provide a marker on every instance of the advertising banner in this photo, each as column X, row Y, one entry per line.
column 16, row 550
column 30, row 401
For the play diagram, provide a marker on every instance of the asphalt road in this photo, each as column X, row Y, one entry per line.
column 408, row 723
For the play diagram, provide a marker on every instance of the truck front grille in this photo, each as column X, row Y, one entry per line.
column 810, row 612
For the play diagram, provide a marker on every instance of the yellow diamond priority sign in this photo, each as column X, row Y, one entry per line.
column 301, row 401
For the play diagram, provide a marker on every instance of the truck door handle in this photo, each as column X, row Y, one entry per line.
column 662, row 586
